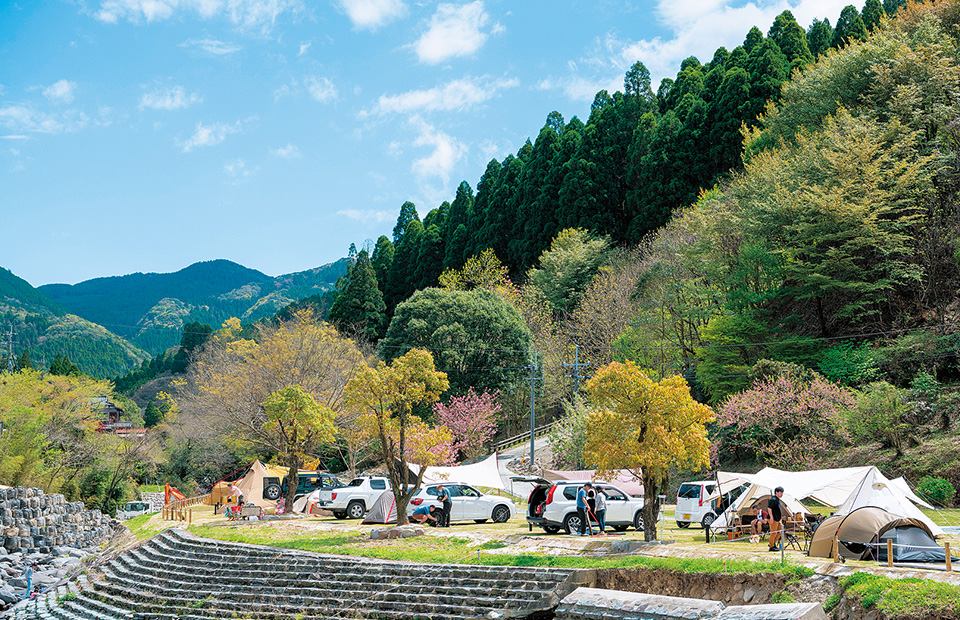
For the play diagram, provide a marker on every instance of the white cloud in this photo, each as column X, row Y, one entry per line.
column 454, row 31
column 291, row 151
column 60, row 91
column 174, row 98
column 304, row 47
column 209, row 135
column 697, row 27
column 244, row 14
column 447, row 151
column 456, row 95
column 212, row 46
column 238, row 171
column 367, row 216
column 23, row 119
column 371, row 14
column 320, row 88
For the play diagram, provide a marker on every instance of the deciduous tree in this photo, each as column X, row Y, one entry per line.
column 647, row 428
column 472, row 420
column 387, row 395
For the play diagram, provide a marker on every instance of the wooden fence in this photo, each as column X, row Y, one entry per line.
column 182, row 509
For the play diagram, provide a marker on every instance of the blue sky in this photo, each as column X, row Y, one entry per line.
column 145, row 135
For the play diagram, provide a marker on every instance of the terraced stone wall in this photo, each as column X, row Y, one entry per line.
column 35, row 522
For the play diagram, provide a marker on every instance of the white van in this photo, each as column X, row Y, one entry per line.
column 697, row 502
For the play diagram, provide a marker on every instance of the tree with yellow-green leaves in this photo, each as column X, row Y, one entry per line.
column 646, row 427
column 386, row 396
column 297, row 424
column 227, row 391
column 47, row 421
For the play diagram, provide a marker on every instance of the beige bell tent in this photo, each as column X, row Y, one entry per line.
column 384, row 510
column 859, row 533
column 252, row 484
column 219, row 494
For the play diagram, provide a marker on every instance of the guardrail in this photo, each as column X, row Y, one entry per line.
column 181, row 509
column 516, row 440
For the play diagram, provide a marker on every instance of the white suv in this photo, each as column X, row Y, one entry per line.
column 553, row 505
column 467, row 503
column 700, row 502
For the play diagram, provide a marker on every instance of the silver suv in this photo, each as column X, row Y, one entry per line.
column 553, row 505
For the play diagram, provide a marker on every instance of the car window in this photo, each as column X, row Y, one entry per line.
column 710, row 488
column 434, row 491
column 355, row 482
column 570, row 492
column 689, row 491
column 329, row 483
column 378, row 485
column 614, row 495
column 468, row 491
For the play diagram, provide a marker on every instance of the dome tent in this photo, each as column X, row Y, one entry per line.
column 862, row 533
column 384, row 510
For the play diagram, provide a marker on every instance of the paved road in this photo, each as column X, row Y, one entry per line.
column 520, row 489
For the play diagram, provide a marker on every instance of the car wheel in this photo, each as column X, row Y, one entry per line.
column 501, row 514
column 272, row 492
column 479, row 520
column 355, row 510
column 638, row 521
column 683, row 524
column 551, row 529
column 620, row 528
column 571, row 523
column 340, row 514
column 708, row 520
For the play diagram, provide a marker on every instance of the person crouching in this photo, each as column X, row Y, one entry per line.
column 424, row 514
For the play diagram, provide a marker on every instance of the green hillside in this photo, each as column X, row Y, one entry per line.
column 151, row 309
column 45, row 329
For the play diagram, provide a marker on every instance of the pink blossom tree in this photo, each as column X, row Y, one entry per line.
column 471, row 418
column 785, row 422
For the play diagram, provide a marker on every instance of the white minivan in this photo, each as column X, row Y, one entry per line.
column 697, row 502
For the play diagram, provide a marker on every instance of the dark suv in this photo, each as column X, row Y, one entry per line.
column 307, row 482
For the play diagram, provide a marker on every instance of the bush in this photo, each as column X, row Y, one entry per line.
column 936, row 489
column 881, row 415
column 849, row 363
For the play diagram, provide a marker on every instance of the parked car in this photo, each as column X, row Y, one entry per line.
column 354, row 499
column 133, row 509
column 307, row 482
column 553, row 505
column 468, row 504
column 700, row 502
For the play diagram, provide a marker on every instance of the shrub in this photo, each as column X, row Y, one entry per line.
column 936, row 489
column 880, row 415
column 849, row 363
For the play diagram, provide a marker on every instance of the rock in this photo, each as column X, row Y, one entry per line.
column 8, row 595
column 748, row 594
column 405, row 533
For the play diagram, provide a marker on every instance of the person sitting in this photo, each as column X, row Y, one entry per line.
column 762, row 518
column 424, row 514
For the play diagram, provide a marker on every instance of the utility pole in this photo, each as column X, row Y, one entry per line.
column 533, row 403
column 8, row 345
column 576, row 365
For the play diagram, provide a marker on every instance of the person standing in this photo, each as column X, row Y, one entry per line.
column 601, row 509
column 29, row 575
column 235, row 493
column 776, row 518
column 582, row 507
column 443, row 496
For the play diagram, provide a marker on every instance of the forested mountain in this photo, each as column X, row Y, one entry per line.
column 44, row 329
column 639, row 156
column 150, row 309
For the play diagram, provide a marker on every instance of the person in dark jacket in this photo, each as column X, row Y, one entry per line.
column 776, row 518
column 443, row 496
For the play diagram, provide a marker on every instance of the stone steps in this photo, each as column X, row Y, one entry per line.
column 178, row 576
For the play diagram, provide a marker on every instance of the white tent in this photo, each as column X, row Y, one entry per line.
column 845, row 489
column 901, row 484
column 305, row 502
column 876, row 490
column 485, row 473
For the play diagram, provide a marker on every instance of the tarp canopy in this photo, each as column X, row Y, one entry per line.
column 624, row 480
column 857, row 532
column 901, row 484
column 384, row 510
column 485, row 473
column 830, row 487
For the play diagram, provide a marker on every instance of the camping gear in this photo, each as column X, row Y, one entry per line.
column 860, row 532
column 384, row 510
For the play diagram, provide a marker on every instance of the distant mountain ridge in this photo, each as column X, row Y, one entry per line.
column 150, row 309
column 45, row 328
